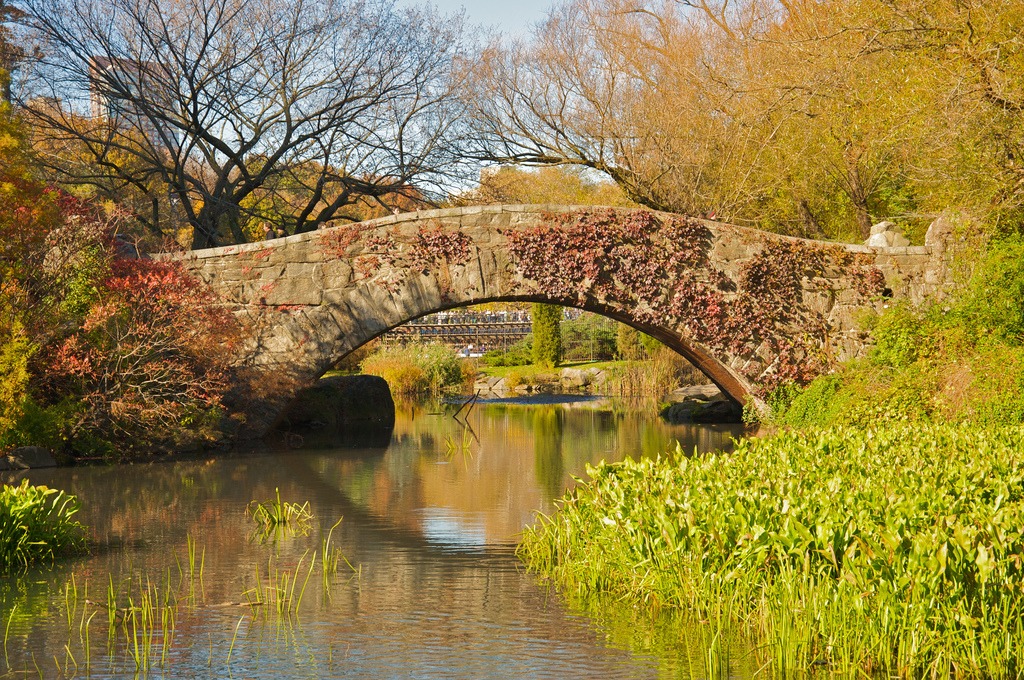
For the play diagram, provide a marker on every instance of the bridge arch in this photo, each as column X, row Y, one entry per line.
column 709, row 365
column 750, row 309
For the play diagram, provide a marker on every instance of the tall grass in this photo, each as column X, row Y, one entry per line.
column 36, row 524
column 418, row 368
column 132, row 629
column 655, row 377
column 897, row 550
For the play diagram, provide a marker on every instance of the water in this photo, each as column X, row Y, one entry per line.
column 429, row 524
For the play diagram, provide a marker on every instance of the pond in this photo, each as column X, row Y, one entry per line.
column 421, row 579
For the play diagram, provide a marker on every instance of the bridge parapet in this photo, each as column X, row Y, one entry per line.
column 749, row 308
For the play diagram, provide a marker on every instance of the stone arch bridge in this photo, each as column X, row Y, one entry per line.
column 749, row 308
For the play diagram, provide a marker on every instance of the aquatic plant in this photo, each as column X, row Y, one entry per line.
column 277, row 592
column 36, row 524
column 276, row 514
column 896, row 550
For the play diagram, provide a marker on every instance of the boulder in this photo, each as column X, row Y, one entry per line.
column 706, row 392
column 887, row 235
column 721, row 410
column 341, row 402
column 576, row 378
column 31, row 457
column 939, row 232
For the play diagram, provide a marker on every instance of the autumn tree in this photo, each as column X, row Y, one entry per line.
column 99, row 351
column 224, row 105
column 631, row 92
column 809, row 118
column 10, row 51
column 560, row 185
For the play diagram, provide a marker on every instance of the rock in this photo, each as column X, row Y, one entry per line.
column 679, row 412
column 882, row 227
column 877, row 241
column 342, row 402
column 887, row 235
column 575, row 378
column 939, row 232
column 489, row 384
column 702, row 392
column 31, row 457
column 721, row 410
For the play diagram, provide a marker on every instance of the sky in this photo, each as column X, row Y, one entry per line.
column 515, row 18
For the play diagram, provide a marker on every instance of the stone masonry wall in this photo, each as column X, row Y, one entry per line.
column 749, row 308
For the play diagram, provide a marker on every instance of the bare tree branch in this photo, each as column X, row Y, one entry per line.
column 281, row 111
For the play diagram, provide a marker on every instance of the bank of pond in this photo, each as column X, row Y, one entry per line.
column 893, row 551
column 889, row 551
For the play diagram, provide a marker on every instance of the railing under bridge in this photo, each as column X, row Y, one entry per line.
column 471, row 332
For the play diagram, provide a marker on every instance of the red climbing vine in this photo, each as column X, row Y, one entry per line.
column 434, row 244
column 660, row 270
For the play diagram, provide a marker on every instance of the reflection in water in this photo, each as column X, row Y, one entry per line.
column 547, row 449
column 430, row 523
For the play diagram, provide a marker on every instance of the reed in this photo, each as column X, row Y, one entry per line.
column 277, row 591
column 894, row 550
column 139, row 616
column 275, row 515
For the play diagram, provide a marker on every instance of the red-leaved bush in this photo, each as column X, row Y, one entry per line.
column 150, row 360
column 120, row 353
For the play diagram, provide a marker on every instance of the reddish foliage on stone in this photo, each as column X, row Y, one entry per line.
column 659, row 269
column 435, row 245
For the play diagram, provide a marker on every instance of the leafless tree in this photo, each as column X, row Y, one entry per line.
column 656, row 98
column 10, row 51
column 280, row 112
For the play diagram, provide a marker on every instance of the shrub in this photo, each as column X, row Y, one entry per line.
column 416, row 369
column 899, row 336
column 514, row 379
column 959, row 359
column 150, row 360
column 15, row 351
column 139, row 347
column 991, row 303
column 519, row 354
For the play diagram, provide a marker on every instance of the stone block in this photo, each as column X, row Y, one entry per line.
column 939, row 232
column 877, row 241
column 819, row 302
column 882, row 227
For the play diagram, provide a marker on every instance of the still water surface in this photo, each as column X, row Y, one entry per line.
column 429, row 523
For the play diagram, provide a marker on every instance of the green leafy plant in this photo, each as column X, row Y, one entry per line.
column 36, row 525
column 274, row 515
column 890, row 550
